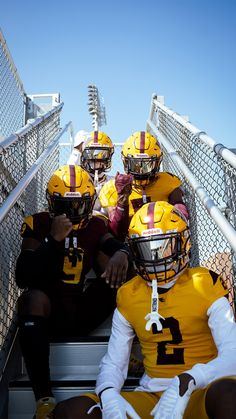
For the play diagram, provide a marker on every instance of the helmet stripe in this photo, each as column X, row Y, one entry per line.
column 142, row 141
column 72, row 178
column 150, row 213
column 95, row 137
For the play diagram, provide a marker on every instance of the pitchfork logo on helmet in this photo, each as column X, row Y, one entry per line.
column 71, row 191
column 160, row 242
column 97, row 152
column 141, row 155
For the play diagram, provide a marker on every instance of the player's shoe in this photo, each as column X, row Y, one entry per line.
column 44, row 408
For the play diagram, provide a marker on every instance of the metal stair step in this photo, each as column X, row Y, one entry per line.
column 74, row 367
column 78, row 358
column 21, row 397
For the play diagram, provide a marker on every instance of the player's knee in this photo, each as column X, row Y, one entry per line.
column 74, row 408
column 34, row 302
column 221, row 393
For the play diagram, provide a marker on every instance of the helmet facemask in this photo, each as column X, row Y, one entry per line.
column 143, row 168
column 71, row 192
column 162, row 257
column 78, row 210
column 97, row 158
column 142, row 156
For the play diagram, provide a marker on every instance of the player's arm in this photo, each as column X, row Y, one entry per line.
column 223, row 328
column 114, row 365
column 174, row 400
column 119, row 213
column 117, row 267
column 176, row 199
column 74, row 157
column 38, row 260
column 119, row 220
column 114, row 368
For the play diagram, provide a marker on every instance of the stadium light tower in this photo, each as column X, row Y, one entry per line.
column 96, row 107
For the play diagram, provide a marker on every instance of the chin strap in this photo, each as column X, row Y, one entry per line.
column 96, row 178
column 153, row 318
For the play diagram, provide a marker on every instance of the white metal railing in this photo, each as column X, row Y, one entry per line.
column 226, row 228
column 24, row 182
column 208, row 173
column 13, row 138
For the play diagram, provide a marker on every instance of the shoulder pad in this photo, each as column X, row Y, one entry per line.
column 28, row 224
column 171, row 174
column 108, row 195
column 209, row 283
column 172, row 178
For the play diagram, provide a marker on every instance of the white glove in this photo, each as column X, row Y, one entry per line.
column 171, row 405
column 114, row 406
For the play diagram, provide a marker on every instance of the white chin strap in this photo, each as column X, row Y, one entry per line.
column 168, row 285
column 154, row 317
column 96, row 178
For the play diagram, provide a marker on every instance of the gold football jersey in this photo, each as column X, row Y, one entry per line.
column 186, row 337
column 158, row 190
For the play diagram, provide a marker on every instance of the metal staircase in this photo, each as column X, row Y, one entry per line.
column 74, row 368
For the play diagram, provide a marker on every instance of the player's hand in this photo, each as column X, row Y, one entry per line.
column 123, row 184
column 61, row 227
column 174, row 400
column 113, row 405
column 116, row 270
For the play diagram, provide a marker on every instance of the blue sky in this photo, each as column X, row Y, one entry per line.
column 181, row 49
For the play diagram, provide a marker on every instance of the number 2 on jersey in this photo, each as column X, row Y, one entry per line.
column 177, row 355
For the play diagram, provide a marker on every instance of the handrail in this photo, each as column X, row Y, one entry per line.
column 23, row 183
column 6, row 142
column 218, row 148
column 226, row 228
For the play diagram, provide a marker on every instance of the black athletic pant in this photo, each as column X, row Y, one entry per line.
column 73, row 315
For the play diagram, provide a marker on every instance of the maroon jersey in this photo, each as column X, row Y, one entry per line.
column 77, row 252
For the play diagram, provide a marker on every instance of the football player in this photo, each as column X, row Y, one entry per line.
column 59, row 247
column 185, row 326
column 96, row 158
column 142, row 156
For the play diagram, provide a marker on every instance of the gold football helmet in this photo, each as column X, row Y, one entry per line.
column 71, row 191
column 160, row 242
column 97, row 152
column 142, row 156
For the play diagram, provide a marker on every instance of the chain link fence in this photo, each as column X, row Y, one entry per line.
column 18, row 155
column 12, row 95
column 214, row 174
